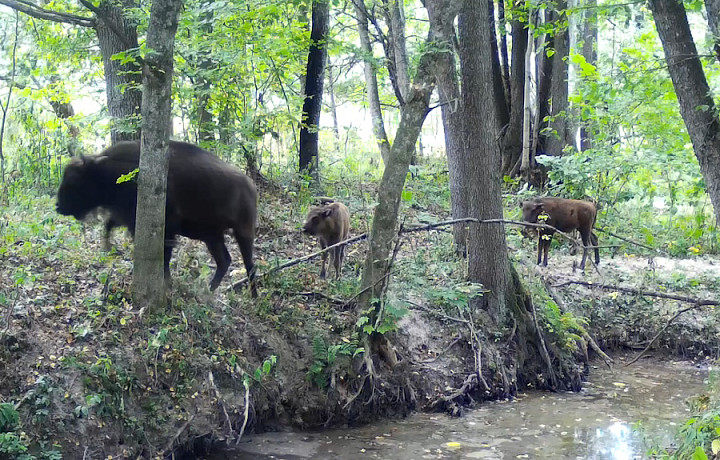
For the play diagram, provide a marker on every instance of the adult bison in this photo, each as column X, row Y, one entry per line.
column 205, row 197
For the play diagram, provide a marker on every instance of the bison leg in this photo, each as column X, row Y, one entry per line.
column 337, row 260
column 217, row 248
column 246, row 249
column 585, row 235
column 323, row 273
column 169, row 245
column 110, row 224
column 594, row 240
column 540, row 248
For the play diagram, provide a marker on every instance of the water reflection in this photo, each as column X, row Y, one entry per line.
column 595, row 424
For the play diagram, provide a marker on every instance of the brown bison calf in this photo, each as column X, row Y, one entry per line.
column 205, row 197
column 566, row 216
column 331, row 225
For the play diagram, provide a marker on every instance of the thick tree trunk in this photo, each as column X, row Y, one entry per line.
column 449, row 95
column 148, row 267
column 487, row 252
column 557, row 139
column 371, row 81
column 315, row 76
column 589, row 52
column 696, row 102
column 513, row 136
column 117, row 33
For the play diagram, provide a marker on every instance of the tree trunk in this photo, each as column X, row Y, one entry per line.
column 383, row 233
column 502, row 116
column 696, row 102
column 487, row 253
column 400, row 57
column 512, row 138
column 557, row 139
column 333, row 107
column 712, row 8
column 206, row 127
column 312, row 107
column 589, row 52
column 449, row 95
column 371, row 81
column 544, row 67
column 118, row 33
column 504, row 61
column 527, row 128
column 148, row 286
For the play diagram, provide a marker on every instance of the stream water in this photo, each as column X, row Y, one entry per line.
column 597, row 423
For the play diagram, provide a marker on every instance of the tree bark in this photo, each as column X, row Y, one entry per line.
column 148, row 266
column 487, row 252
column 502, row 116
column 696, row 102
column 383, row 233
column 589, row 52
column 399, row 47
column 203, row 86
column 557, row 139
column 544, row 74
column 117, row 33
column 504, row 60
column 312, row 107
column 371, row 81
column 527, row 123
column 443, row 14
column 712, row 8
column 333, row 107
column 513, row 135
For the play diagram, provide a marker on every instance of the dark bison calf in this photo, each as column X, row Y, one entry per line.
column 205, row 197
column 331, row 225
column 566, row 216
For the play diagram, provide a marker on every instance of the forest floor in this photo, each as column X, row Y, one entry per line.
column 81, row 365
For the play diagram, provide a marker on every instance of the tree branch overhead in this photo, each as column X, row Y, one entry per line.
column 37, row 12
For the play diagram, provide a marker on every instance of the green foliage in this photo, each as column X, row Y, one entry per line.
column 328, row 359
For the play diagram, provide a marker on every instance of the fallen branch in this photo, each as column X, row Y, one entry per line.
column 680, row 312
column 630, row 241
column 317, row 294
column 402, row 231
column 306, row 258
column 608, row 287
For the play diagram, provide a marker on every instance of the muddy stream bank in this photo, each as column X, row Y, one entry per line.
column 596, row 423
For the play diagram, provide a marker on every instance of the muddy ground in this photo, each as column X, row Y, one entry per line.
column 96, row 378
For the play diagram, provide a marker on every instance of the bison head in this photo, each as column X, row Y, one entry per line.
column 531, row 210
column 78, row 193
column 318, row 221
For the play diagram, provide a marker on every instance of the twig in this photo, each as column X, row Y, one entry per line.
column 631, row 241
column 442, row 352
column 362, row 291
column 246, row 413
column 318, row 294
column 403, row 231
column 543, row 347
column 680, row 312
column 306, row 258
column 608, row 287
column 211, row 380
column 437, row 313
column 180, row 431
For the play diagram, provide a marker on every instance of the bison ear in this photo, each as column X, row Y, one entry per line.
column 327, row 212
column 539, row 205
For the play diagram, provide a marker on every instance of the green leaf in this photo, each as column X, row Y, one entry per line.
column 699, row 454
